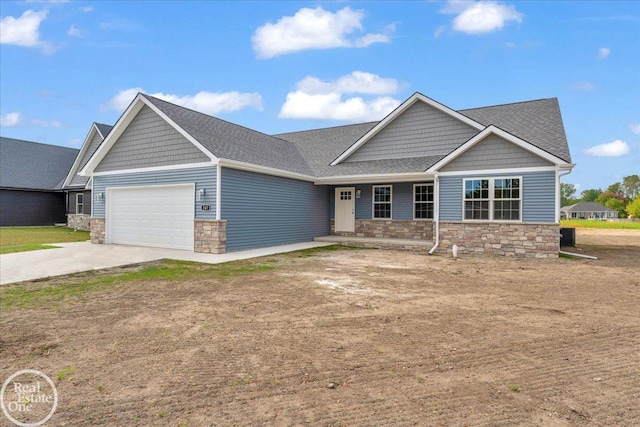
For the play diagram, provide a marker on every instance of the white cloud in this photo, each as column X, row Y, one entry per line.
column 356, row 82
column 10, row 119
column 634, row 128
column 616, row 148
column 584, row 86
column 87, row 9
column 22, row 31
column 74, row 31
column 46, row 123
column 438, row 31
column 480, row 17
column 603, row 52
column 205, row 102
column 317, row 99
column 314, row 29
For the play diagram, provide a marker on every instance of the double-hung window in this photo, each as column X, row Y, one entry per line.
column 493, row 199
column 423, row 201
column 79, row 203
column 382, row 195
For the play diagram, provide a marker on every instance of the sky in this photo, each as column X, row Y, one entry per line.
column 285, row 66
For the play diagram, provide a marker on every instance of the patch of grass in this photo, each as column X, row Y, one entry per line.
column 514, row 388
column 64, row 373
column 593, row 223
column 99, row 388
column 22, row 296
column 16, row 236
column 24, row 248
column 568, row 257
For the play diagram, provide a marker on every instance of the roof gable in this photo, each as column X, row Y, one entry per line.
column 538, row 122
column 425, row 132
column 493, row 130
column 32, row 165
column 94, row 138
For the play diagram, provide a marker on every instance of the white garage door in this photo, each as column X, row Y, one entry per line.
column 159, row 216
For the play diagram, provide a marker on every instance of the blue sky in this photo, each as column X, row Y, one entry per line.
column 285, row 66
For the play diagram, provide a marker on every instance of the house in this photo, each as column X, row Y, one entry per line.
column 31, row 177
column 587, row 210
column 484, row 179
column 78, row 187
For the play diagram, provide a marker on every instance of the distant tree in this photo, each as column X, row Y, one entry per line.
column 633, row 208
column 567, row 191
column 605, row 196
column 631, row 186
column 618, row 205
column 590, row 195
column 616, row 189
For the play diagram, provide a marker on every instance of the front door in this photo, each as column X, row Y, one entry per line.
column 345, row 216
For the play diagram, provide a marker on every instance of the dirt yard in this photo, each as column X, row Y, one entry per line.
column 348, row 338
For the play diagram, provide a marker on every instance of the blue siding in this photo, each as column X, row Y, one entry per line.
column 402, row 200
column 202, row 177
column 538, row 196
column 263, row 210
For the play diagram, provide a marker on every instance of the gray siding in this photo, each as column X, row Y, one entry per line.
column 401, row 200
column 202, row 177
column 78, row 180
column 495, row 152
column 263, row 210
column 150, row 141
column 538, row 196
column 421, row 130
column 71, row 208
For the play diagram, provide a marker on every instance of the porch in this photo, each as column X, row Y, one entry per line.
column 415, row 245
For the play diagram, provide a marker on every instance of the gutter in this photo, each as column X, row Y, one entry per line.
column 436, row 214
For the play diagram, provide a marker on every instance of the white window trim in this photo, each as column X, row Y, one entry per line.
column 373, row 201
column 492, row 198
column 82, row 211
column 414, row 200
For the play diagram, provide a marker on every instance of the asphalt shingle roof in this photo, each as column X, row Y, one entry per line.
column 538, row 122
column 78, row 181
column 586, row 207
column 233, row 142
column 104, row 130
column 32, row 165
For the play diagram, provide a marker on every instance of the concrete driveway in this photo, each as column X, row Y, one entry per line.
column 84, row 256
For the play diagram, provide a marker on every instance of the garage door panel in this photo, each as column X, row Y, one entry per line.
column 151, row 216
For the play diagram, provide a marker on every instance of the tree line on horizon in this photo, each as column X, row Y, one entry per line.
column 623, row 196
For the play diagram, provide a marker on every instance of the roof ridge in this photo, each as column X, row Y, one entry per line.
column 328, row 127
column 507, row 103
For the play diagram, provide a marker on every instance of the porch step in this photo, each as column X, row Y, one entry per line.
column 380, row 243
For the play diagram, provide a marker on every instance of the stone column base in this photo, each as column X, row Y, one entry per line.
column 97, row 230
column 79, row 222
column 210, row 236
column 389, row 229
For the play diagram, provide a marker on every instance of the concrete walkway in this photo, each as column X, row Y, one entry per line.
column 84, row 256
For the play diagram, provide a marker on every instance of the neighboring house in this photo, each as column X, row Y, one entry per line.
column 78, row 187
column 485, row 179
column 31, row 177
column 587, row 210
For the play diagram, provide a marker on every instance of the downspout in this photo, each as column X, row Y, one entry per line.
column 218, row 190
column 436, row 214
column 558, row 213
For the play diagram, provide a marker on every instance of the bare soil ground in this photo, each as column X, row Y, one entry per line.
column 350, row 338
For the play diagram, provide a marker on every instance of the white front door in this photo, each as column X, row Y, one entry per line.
column 345, row 215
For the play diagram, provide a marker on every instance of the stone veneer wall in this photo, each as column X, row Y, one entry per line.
column 210, row 236
column 79, row 222
column 389, row 229
column 97, row 230
column 520, row 240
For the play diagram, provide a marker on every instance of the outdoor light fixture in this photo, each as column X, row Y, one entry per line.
column 358, row 194
column 201, row 194
column 99, row 196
